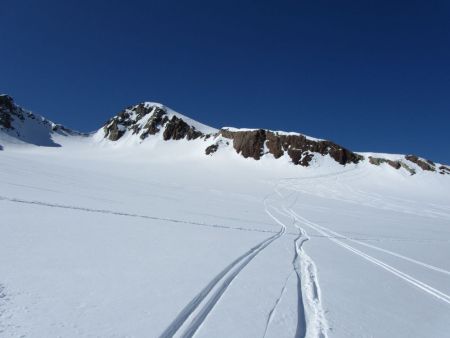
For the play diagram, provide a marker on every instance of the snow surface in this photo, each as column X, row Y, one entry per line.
column 159, row 240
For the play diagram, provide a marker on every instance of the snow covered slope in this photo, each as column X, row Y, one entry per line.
column 21, row 127
column 154, row 238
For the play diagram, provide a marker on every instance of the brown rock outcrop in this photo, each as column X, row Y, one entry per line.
column 177, row 129
column 423, row 164
column 250, row 143
column 129, row 119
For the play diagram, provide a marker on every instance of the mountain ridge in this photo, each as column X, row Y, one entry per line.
column 148, row 120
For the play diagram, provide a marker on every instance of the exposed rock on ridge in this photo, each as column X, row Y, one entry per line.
column 301, row 150
column 9, row 111
column 424, row 164
column 397, row 164
column 144, row 120
column 24, row 127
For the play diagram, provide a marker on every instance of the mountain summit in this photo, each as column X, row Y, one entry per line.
column 154, row 122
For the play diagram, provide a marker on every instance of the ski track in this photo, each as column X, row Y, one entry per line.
column 272, row 311
column 311, row 321
column 193, row 315
column 210, row 300
column 407, row 278
column 372, row 200
column 426, row 265
column 125, row 214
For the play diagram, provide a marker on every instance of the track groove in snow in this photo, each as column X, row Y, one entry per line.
column 192, row 316
column 125, row 214
column 411, row 280
column 211, row 293
column 311, row 321
column 272, row 311
column 411, row 260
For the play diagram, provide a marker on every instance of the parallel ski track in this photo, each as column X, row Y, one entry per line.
column 311, row 320
column 195, row 312
column 407, row 278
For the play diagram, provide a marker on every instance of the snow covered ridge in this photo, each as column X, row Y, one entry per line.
column 300, row 148
column 147, row 119
column 153, row 121
column 18, row 125
column 150, row 118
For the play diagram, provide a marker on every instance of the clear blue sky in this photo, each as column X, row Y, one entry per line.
column 370, row 75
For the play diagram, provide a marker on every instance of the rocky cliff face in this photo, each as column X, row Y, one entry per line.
column 301, row 150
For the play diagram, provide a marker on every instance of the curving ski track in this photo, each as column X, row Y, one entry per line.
column 195, row 312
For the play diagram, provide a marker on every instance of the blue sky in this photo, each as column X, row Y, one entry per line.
column 370, row 75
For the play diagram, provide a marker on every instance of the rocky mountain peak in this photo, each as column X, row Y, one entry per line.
column 147, row 119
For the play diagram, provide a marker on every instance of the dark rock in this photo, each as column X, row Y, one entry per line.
column 247, row 143
column 424, row 165
column 408, row 168
column 274, row 145
column 128, row 119
column 444, row 170
column 211, row 149
column 10, row 111
column 299, row 148
column 376, row 160
column 5, row 120
column 116, row 126
column 6, row 102
column 379, row 160
column 154, row 124
column 6, row 109
column 113, row 132
column 394, row 164
column 177, row 129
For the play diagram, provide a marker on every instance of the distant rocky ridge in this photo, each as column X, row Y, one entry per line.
column 27, row 126
column 147, row 119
